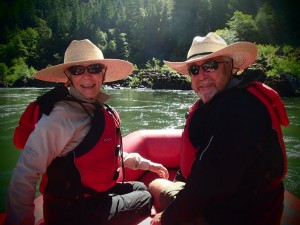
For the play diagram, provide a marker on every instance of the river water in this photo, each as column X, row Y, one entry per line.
column 138, row 109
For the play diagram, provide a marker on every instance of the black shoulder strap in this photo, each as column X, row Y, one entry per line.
column 92, row 137
column 73, row 99
column 59, row 93
column 47, row 100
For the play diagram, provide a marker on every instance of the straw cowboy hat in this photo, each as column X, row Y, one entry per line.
column 212, row 45
column 84, row 51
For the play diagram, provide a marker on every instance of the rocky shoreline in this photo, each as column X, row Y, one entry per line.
column 287, row 85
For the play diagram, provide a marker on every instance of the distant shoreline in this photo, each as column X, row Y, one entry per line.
column 287, row 85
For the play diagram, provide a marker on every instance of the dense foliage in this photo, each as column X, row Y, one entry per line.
column 35, row 33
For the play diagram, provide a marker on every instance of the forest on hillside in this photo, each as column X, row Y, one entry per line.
column 35, row 33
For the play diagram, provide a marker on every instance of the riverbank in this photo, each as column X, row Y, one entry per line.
column 287, row 85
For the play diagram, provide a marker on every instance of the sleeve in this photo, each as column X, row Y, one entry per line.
column 44, row 144
column 135, row 161
column 218, row 171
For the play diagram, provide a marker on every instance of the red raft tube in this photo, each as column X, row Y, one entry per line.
column 163, row 146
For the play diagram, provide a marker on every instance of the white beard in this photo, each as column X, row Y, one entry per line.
column 207, row 95
column 206, row 90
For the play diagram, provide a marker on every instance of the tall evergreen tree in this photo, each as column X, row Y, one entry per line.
column 189, row 18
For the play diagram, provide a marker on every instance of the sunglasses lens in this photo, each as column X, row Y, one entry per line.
column 194, row 70
column 206, row 67
column 92, row 69
column 76, row 70
column 210, row 66
column 95, row 68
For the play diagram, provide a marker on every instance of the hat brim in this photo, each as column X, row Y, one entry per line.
column 242, row 53
column 116, row 70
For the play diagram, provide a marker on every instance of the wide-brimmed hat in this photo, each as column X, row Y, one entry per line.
column 212, row 45
column 84, row 51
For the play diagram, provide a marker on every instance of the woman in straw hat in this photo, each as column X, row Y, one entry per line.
column 78, row 150
column 233, row 158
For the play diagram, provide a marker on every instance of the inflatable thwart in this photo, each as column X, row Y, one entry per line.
column 163, row 146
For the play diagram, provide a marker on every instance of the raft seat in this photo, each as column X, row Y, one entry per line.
column 163, row 146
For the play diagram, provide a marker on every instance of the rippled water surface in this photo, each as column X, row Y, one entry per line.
column 138, row 109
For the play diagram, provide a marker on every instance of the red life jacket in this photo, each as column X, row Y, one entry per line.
column 275, row 107
column 188, row 151
column 42, row 105
column 96, row 156
column 99, row 166
column 277, row 112
column 96, row 166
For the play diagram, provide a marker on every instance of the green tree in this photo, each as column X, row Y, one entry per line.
column 101, row 39
column 245, row 6
column 22, row 44
column 44, row 43
column 3, row 72
column 243, row 26
column 288, row 29
column 19, row 70
column 123, row 47
column 29, row 42
column 221, row 13
column 189, row 18
column 135, row 27
column 40, row 31
column 279, row 60
column 111, row 49
column 155, row 64
column 228, row 35
column 267, row 25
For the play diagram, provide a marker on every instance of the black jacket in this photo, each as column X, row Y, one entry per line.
column 235, row 178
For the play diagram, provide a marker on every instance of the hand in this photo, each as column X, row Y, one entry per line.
column 156, row 219
column 159, row 169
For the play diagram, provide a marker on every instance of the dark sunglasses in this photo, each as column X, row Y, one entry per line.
column 92, row 69
column 208, row 67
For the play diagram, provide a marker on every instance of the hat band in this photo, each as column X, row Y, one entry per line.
column 204, row 53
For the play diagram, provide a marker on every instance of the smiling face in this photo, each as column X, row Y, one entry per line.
column 88, row 84
column 208, row 83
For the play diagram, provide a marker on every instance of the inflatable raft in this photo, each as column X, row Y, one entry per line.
column 163, row 146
